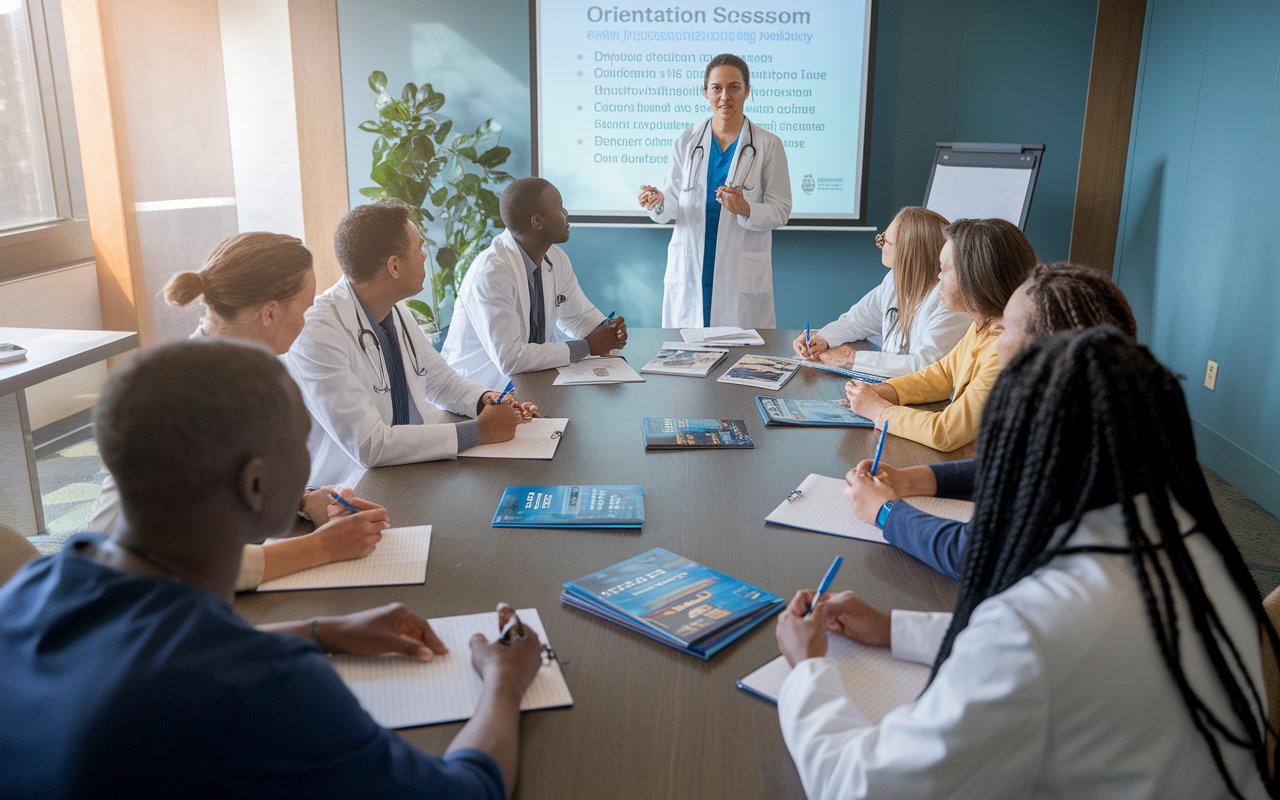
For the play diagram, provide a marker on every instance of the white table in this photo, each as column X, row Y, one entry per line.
column 50, row 353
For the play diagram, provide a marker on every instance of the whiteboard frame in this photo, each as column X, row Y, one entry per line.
column 985, row 154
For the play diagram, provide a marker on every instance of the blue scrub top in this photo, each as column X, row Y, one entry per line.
column 717, row 174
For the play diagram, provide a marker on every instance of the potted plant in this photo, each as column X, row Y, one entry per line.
column 444, row 177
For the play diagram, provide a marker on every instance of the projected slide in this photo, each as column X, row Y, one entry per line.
column 617, row 83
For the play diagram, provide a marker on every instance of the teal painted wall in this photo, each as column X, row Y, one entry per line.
column 964, row 70
column 1199, row 247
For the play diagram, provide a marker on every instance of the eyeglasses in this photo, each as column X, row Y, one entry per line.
column 881, row 241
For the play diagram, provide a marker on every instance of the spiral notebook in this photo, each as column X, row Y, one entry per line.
column 400, row 558
column 535, row 439
column 401, row 692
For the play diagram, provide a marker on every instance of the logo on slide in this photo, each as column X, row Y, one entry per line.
column 807, row 184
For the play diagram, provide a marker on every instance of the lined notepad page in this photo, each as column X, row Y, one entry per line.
column 823, row 507
column 537, row 438
column 876, row 681
column 401, row 557
column 401, row 692
column 612, row 369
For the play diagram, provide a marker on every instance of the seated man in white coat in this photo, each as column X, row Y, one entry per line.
column 519, row 290
column 368, row 374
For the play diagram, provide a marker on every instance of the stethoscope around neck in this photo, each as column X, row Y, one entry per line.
column 365, row 335
column 699, row 154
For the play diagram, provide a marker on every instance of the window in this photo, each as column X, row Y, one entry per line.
column 43, row 219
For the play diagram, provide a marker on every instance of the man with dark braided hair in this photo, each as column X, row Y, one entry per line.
column 1105, row 643
column 1058, row 297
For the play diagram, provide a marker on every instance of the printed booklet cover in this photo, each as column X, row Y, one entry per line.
column 848, row 373
column 674, row 600
column 809, row 413
column 762, row 372
column 570, row 507
column 694, row 434
column 695, row 363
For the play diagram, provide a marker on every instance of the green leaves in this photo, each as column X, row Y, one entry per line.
column 443, row 176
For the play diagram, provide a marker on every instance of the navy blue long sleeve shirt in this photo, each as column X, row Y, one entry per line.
column 936, row 541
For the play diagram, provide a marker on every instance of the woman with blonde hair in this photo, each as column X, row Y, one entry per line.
column 904, row 316
column 257, row 287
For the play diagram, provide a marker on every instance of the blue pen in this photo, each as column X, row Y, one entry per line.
column 610, row 319
column 344, row 503
column 510, row 385
column 806, row 334
column 826, row 582
column 875, row 462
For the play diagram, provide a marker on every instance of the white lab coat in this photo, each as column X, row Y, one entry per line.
column 934, row 332
column 337, row 381
column 743, row 284
column 489, row 335
column 1055, row 689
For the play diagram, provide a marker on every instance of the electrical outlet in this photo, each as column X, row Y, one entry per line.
column 1211, row 375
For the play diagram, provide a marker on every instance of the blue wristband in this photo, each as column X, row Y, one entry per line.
column 883, row 516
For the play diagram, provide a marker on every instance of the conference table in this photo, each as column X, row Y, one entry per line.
column 648, row 721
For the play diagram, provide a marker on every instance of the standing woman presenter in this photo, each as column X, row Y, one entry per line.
column 727, row 189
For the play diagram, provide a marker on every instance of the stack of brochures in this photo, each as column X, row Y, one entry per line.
column 722, row 336
column 674, row 600
column 694, row 434
column 762, row 372
column 570, row 507
column 695, row 362
column 809, row 413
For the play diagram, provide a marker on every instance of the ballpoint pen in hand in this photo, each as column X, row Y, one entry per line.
column 339, row 498
column 826, row 582
column 875, row 462
column 510, row 385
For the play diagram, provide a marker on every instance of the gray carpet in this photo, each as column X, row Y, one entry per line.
column 70, row 478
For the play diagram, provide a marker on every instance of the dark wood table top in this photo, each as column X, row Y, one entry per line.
column 648, row 721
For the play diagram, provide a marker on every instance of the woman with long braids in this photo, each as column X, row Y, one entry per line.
column 1058, row 297
column 1106, row 638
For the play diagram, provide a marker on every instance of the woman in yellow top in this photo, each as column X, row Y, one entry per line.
column 983, row 262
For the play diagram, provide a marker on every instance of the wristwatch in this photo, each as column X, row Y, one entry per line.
column 883, row 515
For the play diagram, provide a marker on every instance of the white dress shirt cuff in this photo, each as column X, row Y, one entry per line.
column 917, row 635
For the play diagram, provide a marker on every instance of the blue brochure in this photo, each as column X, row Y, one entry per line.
column 848, row 373
column 809, row 413
column 695, row 434
column 674, row 600
column 570, row 507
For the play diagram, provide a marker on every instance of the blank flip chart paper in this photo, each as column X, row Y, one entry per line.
column 820, row 505
column 401, row 557
column 401, row 692
column 536, row 439
column 876, row 681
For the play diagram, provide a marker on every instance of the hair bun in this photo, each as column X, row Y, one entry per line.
column 183, row 288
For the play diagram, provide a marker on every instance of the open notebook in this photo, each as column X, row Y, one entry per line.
column 537, row 438
column 401, row 692
column 401, row 557
column 819, row 505
column 876, row 681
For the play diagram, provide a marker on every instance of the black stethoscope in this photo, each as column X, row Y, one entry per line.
column 699, row 153
column 380, row 366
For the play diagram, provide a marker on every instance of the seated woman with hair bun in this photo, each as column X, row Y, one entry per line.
column 256, row 287
column 983, row 262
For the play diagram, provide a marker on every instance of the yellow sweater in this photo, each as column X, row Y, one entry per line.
column 965, row 375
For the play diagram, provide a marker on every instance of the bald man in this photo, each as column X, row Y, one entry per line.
column 520, row 308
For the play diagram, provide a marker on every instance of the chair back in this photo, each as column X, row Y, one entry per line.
column 15, row 551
